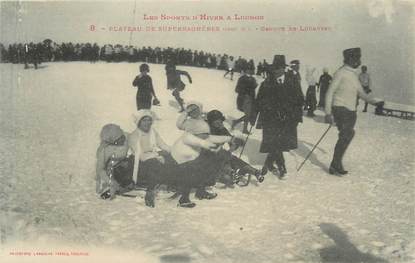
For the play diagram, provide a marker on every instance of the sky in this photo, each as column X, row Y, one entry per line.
column 384, row 29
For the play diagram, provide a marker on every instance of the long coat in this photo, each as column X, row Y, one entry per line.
column 145, row 91
column 246, row 94
column 277, row 105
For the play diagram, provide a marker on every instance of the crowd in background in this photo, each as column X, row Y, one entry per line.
column 49, row 51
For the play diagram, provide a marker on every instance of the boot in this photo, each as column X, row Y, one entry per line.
column 281, row 173
column 282, row 170
column 201, row 193
column 269, row 164
column 185, row 202
column 259, row 176
column 337, row 169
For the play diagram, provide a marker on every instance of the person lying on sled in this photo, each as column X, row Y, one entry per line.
column 113, row 166
column 231, row 163
column 195, row 153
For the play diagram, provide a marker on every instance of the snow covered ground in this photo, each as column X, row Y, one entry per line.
column 50, row 122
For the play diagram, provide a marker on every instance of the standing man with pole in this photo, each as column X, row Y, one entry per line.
column 276, row 102
column 341, row 105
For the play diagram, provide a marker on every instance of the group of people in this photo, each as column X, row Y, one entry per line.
column 48, row 51
column 203, row 154
column 322, row 85
column 199, row 158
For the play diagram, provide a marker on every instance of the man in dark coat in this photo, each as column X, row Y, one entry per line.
column 276, row 100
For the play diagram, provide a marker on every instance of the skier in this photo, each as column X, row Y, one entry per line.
column 145, row 90
column 341, row 105
column 175, row 83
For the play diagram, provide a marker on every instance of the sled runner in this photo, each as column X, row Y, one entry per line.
column 397, row 110
column 241, row 179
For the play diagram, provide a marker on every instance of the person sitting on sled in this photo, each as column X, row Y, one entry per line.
column 153, row 163
column 113, row 167
column 231, row 163
column 196, row 155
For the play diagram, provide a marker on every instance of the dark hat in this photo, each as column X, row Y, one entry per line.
column 295, row 62
column 279, row 61
column 352, row 52
column 214, row 115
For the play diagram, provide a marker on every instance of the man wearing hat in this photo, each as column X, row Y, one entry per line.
column 275, row 103
column 341, row 105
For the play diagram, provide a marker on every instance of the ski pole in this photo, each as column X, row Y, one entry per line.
column 246, row 140
column 314, row 147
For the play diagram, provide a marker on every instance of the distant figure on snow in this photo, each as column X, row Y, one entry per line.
column 311, row 99
column 175, row 83
column 230, row 62
column 145, row 90
column 364, row 79
column 246, row 97
column 323, row 86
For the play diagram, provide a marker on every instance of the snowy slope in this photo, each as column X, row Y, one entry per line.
column 50, row 122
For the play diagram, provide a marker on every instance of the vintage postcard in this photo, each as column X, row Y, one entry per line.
column 207, row 131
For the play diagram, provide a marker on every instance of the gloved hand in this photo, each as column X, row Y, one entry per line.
column 329, row 119
column 380, row 104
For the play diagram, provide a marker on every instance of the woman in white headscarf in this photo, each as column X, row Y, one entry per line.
column 151, row 154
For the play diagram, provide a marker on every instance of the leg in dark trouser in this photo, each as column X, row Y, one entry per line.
column 269, row 163
column 280, row 161
column 245, row 168
column 184, row 200
column 150, row 195
column 345, row 121
column 365, row 109
column 176, row 95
